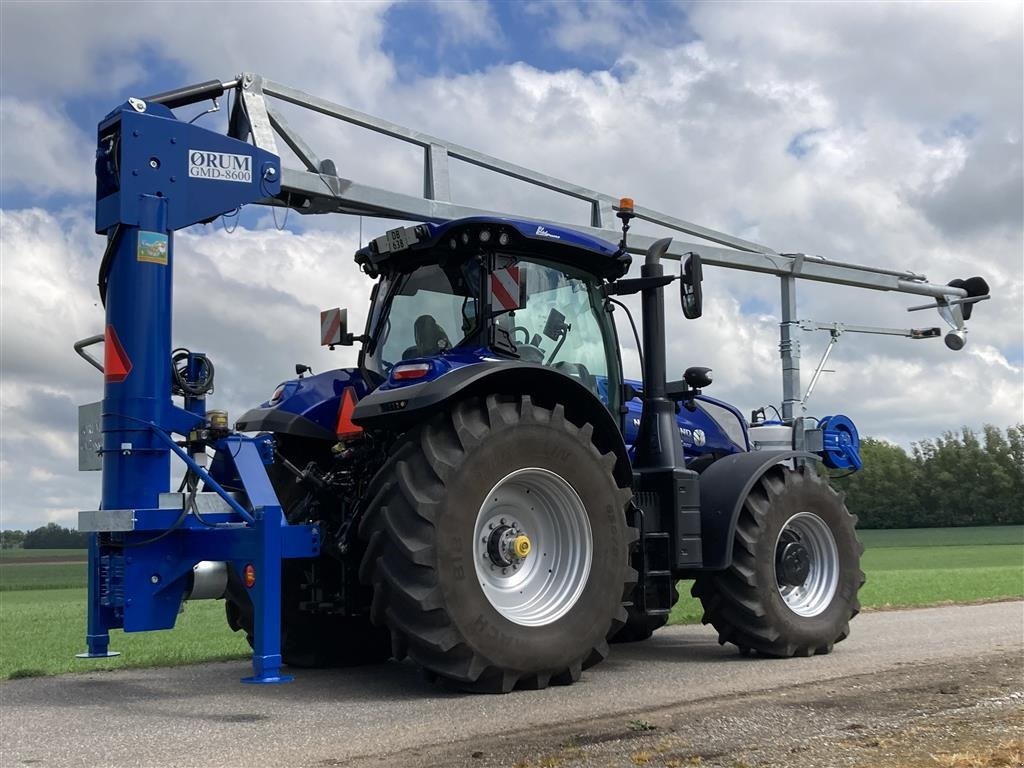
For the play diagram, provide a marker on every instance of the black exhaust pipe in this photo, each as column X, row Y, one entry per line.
column 666, row 493
column 657, row 445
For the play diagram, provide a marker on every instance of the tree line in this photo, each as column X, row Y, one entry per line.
column 49, row 536
column 958, row 479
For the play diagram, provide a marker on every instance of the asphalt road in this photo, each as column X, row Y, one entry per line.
column 202, row 715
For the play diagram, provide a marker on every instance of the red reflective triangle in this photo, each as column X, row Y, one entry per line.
column 116, row 365
column 346, row 428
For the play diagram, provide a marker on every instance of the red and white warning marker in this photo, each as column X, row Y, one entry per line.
column 505, row 289
column 331, row 322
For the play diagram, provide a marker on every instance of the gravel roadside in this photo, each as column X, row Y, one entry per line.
column 968, row 714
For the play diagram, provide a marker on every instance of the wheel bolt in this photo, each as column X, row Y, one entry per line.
column 504, row 571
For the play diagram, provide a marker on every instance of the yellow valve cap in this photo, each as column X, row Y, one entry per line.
column 521, row 546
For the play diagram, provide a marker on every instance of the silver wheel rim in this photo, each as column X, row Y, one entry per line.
column 543, row 586
column 815, row 594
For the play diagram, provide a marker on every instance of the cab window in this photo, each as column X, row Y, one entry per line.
column 555, row 317
column 430, row 309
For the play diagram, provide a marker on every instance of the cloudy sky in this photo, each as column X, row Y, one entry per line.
column 883, row 134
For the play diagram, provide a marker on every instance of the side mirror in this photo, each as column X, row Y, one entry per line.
column 334, row 328
column 697, row 377
column 690, row 297
column 555, row 326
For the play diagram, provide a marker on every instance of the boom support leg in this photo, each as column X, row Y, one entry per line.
column 789, row 350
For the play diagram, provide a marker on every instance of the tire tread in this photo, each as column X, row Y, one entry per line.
column 398, row 528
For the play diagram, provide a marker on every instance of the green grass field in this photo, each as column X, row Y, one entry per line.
column 926, row 566
column 42, row 605
column 42, row 630
column 17, row 576
column 943, row 537
column 42, row 554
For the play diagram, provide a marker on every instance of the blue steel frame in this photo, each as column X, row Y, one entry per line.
column 155, row 175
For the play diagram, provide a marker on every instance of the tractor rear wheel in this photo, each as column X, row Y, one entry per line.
column 497, row 546
column 791, row 589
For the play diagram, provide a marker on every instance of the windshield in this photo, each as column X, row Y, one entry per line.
column 554, row 317
column 540, row 312
column 428, row 310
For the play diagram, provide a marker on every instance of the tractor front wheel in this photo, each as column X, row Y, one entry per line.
column 791, row 589
column 497, row 546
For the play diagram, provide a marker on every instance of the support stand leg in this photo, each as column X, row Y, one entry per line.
column 97, row 638
column 266, row 652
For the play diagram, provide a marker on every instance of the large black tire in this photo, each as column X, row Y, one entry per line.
column 640, row 626
column 420, row 534
column 745, row 602
column 308, row 640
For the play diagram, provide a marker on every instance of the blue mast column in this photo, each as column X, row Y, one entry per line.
column 137, row 392
column 136, row 464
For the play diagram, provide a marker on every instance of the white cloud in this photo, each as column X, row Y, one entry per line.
column 104, row 47
column 42, row 151
column 911, row 62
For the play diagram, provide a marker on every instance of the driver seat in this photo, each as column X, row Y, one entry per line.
column 429, row 336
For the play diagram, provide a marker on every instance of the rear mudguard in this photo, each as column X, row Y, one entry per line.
column 724, row 487
column 399, row 408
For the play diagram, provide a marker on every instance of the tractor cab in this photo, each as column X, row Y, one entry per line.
column 481, row 289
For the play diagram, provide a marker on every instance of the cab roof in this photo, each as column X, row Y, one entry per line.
column 408, row 247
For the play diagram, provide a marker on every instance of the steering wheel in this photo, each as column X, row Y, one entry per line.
column 526, row 333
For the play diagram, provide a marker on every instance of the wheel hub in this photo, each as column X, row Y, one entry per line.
column 507, row 545
column 794, row 564
column 807, row 564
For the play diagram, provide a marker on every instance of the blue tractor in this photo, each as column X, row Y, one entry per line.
column 484, row 493
column 494, row 495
